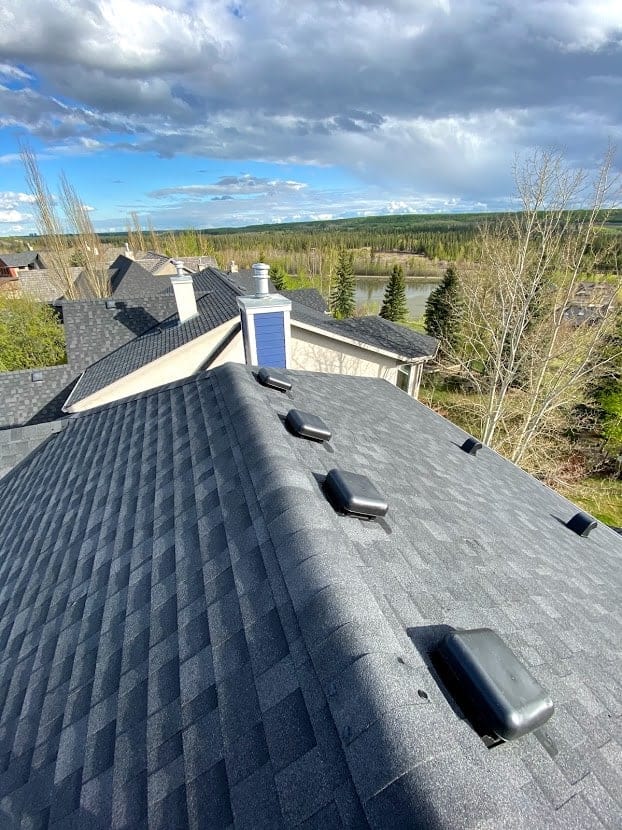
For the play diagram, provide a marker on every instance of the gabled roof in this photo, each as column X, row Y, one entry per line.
column 21, row 260
column 307, row 297
column 216, row 304
column 128, row 280
column 152, row 261
column 92, row 330
column 373, row 331
column 192, row 637
column 43, row 284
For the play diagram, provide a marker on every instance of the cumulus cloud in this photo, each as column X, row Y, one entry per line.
column 12, row 206
column 437, row 94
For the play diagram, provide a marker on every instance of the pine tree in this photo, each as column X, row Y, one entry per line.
column 278, row 275
column 342, row 297
column 443, row 311
column 394, row 305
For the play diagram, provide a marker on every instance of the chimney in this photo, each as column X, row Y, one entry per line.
column 233, row 267
column 183, row 288
column 265, row 323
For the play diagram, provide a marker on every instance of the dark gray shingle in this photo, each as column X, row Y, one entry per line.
column 190, row 636
column 373, row 330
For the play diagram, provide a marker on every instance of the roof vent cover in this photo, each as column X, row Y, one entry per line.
column 582, row 524
column 307, row 425
column 471, row 446
column 354, row 494
column 273, row 380
column 492, row 686
column 110, row 304
column 36, row 377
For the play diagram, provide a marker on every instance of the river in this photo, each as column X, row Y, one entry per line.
column 370, row 291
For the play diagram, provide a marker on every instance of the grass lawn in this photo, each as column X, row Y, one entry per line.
column 601, row 497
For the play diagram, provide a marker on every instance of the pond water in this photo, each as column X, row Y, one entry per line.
column 370, row 292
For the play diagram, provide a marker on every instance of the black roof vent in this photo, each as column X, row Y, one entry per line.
column 493, row 688
column 582, row 524
column 273, row 380
column 307, row 425
column 36, row 377
column 354, row 494
column 471, row 446
column 111, row 304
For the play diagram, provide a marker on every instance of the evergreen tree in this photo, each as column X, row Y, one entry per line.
column 278, row 275
column 443, row 311
column 394, row 305
column 342, row 297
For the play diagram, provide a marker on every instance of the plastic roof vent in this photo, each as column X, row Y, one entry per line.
column 307, row 425
column 494, row 689
column 354, row 494
column 110, row 304
column 471, row 446
column 582, row 524
column 273, row 380
column 36, row 377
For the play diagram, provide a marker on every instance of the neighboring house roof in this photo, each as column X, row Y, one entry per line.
column 21, row 260
column 192, row 637
column 92, row 330
column 43, row 284
column 215, row 306
column 373, row 331
column 308, row 297
column 197, row 263
column 152, row 261
column 128, row 280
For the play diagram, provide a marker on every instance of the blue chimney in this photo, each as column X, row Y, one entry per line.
column 265, row 323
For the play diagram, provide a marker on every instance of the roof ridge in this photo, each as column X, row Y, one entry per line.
column 344, row 629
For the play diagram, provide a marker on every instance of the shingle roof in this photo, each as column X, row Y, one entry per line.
column 190, row 636
column 92, row 330
column 152, row 261
column 43, row 284
column 215, row 306
column 21, row 260
column 307, row 297
column 128, row 280
column 373, row 330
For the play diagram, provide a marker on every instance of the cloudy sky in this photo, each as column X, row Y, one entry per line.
column 207, row 113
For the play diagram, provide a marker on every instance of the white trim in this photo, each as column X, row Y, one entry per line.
column 222, row 332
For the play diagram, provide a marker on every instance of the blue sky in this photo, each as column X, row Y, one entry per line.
column 202, row 113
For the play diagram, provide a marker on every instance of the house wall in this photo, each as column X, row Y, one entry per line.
column 318, row 353
column 232, row 353
column 175, row 365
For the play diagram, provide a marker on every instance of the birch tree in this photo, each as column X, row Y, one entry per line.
column 521, row 346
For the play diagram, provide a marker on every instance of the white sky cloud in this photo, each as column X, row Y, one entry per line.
column 435, row 94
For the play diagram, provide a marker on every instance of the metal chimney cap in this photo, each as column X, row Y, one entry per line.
column 260, row 272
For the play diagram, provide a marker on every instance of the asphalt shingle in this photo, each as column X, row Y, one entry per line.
column 190, row 636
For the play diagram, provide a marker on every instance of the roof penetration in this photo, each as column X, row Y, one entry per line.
column 191, row 636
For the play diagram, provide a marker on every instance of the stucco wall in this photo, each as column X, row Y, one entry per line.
column 175, row 365
column 318, row 353
column 232, row 353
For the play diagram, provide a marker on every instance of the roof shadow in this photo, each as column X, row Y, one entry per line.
column 137, row 320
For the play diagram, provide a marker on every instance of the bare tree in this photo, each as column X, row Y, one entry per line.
column 49, row 225
column 95, row 272
column 520, row 347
